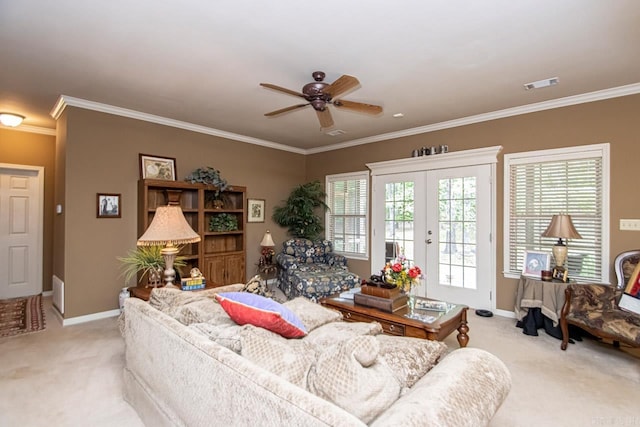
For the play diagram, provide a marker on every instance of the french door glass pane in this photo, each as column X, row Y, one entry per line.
column 457, row 232
column 399, row 220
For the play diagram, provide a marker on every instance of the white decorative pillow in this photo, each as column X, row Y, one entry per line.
column 410, row 358
column 334, row 332
column 351, row 375
column 312, row 315
column 289, row 359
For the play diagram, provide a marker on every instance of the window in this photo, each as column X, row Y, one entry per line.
column 540, row 184
column 347, row 220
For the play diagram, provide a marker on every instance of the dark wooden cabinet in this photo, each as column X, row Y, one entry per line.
column 220, row 255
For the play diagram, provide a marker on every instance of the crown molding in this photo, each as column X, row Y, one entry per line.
column 600, row 95
column 31, row 129
column 64, row 101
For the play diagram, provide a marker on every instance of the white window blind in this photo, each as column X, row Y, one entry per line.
column 541, row 184
column 347, row 218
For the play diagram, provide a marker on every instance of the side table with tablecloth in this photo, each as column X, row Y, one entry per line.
column 538, row 305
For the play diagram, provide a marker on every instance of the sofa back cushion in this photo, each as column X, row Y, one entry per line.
column 306, row 251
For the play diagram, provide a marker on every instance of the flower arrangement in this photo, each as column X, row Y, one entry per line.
column 399, row 273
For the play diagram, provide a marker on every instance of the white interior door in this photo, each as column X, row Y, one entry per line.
column 20, row 230
column 460, row 257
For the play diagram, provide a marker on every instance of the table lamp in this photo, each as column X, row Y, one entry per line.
column 168, row 228
column 561, row 227
column 267, row 245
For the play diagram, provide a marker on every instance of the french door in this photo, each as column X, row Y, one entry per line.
column 440, row 220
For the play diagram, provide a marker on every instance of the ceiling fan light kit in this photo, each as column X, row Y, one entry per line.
column 320, row 95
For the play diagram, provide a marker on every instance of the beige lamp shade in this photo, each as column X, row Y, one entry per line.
column 562, row 227
column 168, row 226
column 267, row 240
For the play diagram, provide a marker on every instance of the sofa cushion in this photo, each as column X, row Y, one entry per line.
column 199, row 311
column 333, row 332
column 289, row 359
column 246, row 308
column 223, row 332
column 351, row 375
column 312, row 315
column 410, row 358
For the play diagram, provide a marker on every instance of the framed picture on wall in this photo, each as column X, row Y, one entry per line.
column 108, row 205
column 255, row 210
column 155, row 167
column 534, row 263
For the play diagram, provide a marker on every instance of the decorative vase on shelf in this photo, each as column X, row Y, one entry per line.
column 411, row 302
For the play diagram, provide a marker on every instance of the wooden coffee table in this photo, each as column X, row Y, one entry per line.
column 397, row 324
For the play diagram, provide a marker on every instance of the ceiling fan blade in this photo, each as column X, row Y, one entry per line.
column 281, row 89
column 326, row 121
column 284, row 110
column 358, row 106
column 342, row 85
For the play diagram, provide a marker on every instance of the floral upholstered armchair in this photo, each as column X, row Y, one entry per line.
column 594, row 307
column 313, row 270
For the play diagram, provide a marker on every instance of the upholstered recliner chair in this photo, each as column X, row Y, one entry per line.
column 594, row 307
column 313, row 270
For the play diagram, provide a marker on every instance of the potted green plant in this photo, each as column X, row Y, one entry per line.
column 210, row 176
column 223, row 222
column 148, row 261
column 299, row 212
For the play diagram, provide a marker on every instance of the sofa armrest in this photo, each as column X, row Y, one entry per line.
column 286, row 261
column 466, row 388
column 336, row 259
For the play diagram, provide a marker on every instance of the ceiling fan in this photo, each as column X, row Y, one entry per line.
column 319, row 95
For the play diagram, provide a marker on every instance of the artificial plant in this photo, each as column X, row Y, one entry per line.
column 147, row 260
column 300, row 211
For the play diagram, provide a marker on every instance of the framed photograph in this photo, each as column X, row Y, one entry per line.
column 534, row 263
column 561, row 274
column 108, row 205
column 154, row 167
column 255, row 210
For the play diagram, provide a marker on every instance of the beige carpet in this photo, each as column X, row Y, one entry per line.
column 72, row 377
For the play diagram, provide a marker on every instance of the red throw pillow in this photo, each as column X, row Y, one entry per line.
column 247, row 308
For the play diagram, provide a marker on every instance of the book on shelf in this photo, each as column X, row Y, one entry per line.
column 378, row 291
column 431, row 305
column 384, row 304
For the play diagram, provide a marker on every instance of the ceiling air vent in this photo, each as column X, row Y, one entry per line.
column 542, row 83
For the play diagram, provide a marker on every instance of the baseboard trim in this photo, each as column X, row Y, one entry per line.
column 506, row 313
column 47, row 293
column 90, row 317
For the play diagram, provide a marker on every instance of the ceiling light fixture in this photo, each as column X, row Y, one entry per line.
column 10, row 119
column 542, row 83
column 398, row 115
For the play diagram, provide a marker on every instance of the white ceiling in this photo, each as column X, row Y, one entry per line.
column 200, row 62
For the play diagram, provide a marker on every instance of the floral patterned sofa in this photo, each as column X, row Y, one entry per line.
column 313, row 270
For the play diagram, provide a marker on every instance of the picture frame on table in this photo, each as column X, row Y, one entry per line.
column 156, row 167
column 561, row 274
column 255, row 210
column 534, row 262
column 108, row 205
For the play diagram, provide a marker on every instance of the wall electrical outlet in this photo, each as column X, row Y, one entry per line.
column 630, row 224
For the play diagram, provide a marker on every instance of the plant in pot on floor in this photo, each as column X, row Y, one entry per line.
column 299, row 212
column 149, row 262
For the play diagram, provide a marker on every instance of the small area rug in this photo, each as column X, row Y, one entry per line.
column 21, row 315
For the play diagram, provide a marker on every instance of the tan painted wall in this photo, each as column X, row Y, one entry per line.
column 614, row 121
column 23, row 148
column 101, row 152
